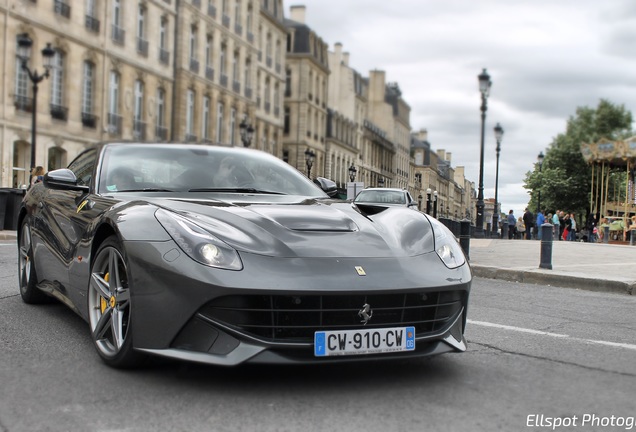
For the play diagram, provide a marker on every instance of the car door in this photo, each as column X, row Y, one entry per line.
column 61, row 224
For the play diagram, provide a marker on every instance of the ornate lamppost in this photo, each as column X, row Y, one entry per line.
column 381, row 182
column 428, row 200
column 352, row 177
column 484, row 87
column 495, row 218
column 435, row 204
column 419, row 202
column 540, row 158
column 24, row 53
column 247, row 132
column 309, row 160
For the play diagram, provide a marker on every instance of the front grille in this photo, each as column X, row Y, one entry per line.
column 294, row 319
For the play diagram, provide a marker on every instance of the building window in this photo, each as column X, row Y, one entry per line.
column 233, row 127
column 139, row 126
column 22, row 100
column 288, row 83
column 88, row 88
column 205, row 120
column 219, row 123
column 142, row 43
column 190, row 114
column 161, row 132
column 58, row 110
column 114, row 119
column 287, row 125
column 118, row 32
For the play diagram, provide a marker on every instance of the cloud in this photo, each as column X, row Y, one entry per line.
column 545, row 59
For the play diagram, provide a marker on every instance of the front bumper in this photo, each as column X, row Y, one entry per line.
column 171, row 295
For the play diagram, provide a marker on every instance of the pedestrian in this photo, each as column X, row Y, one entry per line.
column 557, row 225
column 540, row 222
column 590, row 224
column 528, row 219
column 37, row 175
column 567, row 226
column 572, row 234
column 512, row 221
column 562, row 224
column 520, row 228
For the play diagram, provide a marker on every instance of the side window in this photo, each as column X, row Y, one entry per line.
column 83, row 166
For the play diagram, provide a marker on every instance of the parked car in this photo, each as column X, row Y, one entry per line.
column 386, row 197
column 228, row 255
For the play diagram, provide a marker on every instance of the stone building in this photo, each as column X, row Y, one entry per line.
column 307, row 74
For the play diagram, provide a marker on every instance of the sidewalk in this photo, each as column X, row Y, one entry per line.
column 588, row 266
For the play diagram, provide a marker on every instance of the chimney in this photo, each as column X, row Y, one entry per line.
column 422, row 135
column 345, row 58
column 448, row 157
column 441, row 154
column 297, row 13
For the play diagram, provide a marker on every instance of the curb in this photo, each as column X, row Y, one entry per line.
column 8, row 235
column 556, row 279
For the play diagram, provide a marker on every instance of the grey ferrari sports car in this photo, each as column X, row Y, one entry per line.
column 226, row 255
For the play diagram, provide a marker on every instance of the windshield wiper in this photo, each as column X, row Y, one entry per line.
column 237, row 190
column 145, row 190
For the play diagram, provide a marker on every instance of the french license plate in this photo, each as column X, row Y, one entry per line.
column 356, row 342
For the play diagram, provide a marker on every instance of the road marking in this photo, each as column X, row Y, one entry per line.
column 554, row 335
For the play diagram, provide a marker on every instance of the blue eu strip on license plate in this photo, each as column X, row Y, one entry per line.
column 363, row 341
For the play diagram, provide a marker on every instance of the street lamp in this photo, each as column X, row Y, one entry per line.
column 352, row 173
column 381, row 182
column 484, row 88
column 24, row 53
column 247, row 132
column 435, row 204
column 495, row 218
column 428, row 200
column 309, row 160
column 540, row 161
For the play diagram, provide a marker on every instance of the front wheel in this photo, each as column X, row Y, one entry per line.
column 110, row 307
column 27, row 279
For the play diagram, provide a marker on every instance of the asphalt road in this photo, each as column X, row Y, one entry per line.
column 564, row 354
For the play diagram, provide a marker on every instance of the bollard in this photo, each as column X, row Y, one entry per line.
column 632, row 234
column 504, row 230
column 464, row 237
column 546, row 246
column 606, row 234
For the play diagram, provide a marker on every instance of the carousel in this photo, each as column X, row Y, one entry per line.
column 612, row 195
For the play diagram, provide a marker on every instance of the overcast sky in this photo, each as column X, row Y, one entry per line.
column 545, row 59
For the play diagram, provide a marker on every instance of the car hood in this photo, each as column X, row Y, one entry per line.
column 288, row 226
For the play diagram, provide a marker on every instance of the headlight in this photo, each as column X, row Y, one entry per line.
column 198, row 243
column 446, row 246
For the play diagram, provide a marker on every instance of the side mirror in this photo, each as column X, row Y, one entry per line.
column 328, row 186
column 63, row 179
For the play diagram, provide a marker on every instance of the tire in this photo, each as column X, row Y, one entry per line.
column 27, row 278
column 110, row 307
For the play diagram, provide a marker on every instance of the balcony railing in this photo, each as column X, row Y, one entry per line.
column 92, row 23
column 224, row 80
column 161, row 133
column 62, row 8
column 59, row 112
column 142, row 47
column 23, row 103
column 139, row 130
column 238, row 29
column 209, row 73
column 250, row 37
column 114, row 124
column 248, row 92
column 194, row 65
column 212, row 11
column 236, row 86
column 226, row 21
column 89, row 120
column 119, row 34
column 268, row 61
column 164, row 56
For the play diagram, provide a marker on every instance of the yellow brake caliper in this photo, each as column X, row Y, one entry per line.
column 103, row 304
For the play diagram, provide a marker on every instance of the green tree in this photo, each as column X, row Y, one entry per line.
column 563, row 181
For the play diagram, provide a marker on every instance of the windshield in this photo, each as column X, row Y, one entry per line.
column 196, row 168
